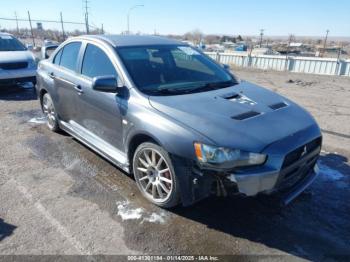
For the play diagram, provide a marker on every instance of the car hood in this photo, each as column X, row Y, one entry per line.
column 244, row 116
column 15, row 56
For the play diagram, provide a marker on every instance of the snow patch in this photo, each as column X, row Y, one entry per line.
column 126, row 212
column 156, row 218
column 38, row 120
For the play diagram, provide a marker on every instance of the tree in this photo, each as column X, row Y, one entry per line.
column 194, row 36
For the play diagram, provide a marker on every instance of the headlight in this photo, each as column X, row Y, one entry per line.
column 31, row 63
column 225, row 157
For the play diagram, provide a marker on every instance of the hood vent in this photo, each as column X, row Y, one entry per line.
column 278, row 106
column 246, row 115
column 231, row 96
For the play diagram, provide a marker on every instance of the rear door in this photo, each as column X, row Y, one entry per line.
column 99, row 112
column 65, row 80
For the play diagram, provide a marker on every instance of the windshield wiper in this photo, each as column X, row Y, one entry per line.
column 163, row 91
column 211, row 86
column 199, row 88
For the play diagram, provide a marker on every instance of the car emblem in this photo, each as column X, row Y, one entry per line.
column 304, row 151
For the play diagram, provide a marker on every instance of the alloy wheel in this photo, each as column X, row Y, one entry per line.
column 49, row 111
column 154, row 175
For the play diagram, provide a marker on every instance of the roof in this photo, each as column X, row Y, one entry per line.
column 134, row 40
column 3, row 33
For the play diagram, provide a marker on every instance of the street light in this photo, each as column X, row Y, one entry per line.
column 128, row 17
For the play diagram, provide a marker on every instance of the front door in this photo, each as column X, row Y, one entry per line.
column 99, row 112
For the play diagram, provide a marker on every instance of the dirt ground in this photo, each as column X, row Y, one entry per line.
column 57, row 197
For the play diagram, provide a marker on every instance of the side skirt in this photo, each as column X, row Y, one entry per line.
column 98, row 145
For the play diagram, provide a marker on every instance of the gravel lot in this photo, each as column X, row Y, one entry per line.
column 57, row 197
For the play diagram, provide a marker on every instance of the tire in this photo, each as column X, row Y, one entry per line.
column 155, row 175
column 50, row 113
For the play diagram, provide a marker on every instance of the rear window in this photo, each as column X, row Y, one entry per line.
column 69, row 55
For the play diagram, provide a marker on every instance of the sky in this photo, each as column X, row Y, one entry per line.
column 232, row 17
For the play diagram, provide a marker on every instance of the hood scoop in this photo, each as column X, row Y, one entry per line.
column 278, row 106
column 239, row 98
column 246, row 115
column 231, row 96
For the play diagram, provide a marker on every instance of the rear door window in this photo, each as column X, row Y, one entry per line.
column 69, row 57
column 97, row 63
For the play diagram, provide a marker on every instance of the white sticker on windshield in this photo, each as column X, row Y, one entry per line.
column 6, row 37
column 188, row 50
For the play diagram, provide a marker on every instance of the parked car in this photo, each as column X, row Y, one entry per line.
column 181, row 123
column 17, row 63
column 47, row 50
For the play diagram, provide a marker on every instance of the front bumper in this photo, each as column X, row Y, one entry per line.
column 294, row 178
column 18, row 75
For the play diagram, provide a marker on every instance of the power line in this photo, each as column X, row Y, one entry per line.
column 40, row 20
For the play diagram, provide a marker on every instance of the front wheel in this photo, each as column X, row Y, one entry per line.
column 155, row 175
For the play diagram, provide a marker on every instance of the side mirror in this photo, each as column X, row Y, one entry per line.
column 46, row 51
column 108, row 84
column 226, row 67
column 30, row 47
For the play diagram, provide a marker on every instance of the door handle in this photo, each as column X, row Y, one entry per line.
column 78, row 89
column 52, row 75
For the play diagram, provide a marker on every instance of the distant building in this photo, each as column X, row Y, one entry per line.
column 39, row 26
column 296, row 45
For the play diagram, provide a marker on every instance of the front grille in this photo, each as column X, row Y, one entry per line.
column 304, row 150
column 299, row 163
column 12, row 66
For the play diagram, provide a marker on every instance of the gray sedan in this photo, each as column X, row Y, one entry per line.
column 181, row 123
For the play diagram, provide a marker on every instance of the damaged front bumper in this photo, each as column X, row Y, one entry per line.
column 251, row 185
column 292, row 179
column 289, row 174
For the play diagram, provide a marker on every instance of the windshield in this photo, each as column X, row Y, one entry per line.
column 9, row 43
column 173, row 69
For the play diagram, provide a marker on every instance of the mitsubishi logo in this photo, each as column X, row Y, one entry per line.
column 304, row 151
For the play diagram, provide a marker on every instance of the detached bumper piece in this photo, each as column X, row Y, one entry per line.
column 300, row 187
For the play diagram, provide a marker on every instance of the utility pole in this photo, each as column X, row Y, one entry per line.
column 128, row 16
column 261, row 36
column 325, row 42
column 102, row 30
column 86, row 8
column 64, row 35
column 288, row 47
column 31, row 28
column 17, row 23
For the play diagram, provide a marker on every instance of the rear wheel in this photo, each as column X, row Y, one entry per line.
column 155, row 175
column 50, row 113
